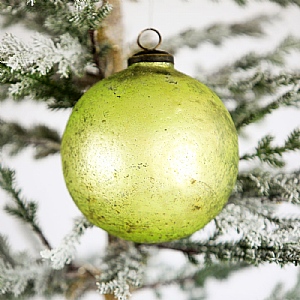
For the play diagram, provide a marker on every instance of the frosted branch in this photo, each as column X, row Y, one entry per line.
column 65, row 252
column 251, row 233
column 42, row 54
column 18, row 271
column 88, row 13
column 15, row 280
column 281, row 187
column 122, row 269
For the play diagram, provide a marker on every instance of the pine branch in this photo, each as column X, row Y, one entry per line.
column 257, row 239
column 42, row 69
column 24, row 210
column 272, row 155
column 239, row 252
column 233, row 75
column 5, row 252
column 41, row 55
column 123, row 269
column 28, row 278
column 247, row 231
column 22, row 277
column 60, row 93
column 283, row 3
column 275, row 57
column 248, row 116
column 73, row 17
column 16, row 280
column 45, row 140
column 250, row 81
column 64, row 254
column 215, row 34
column 262, row 83
column 88, row 14
column 275, row 187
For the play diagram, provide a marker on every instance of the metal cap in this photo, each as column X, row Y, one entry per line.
column 150, row 54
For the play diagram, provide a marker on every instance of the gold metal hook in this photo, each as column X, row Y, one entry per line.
column 149, row 29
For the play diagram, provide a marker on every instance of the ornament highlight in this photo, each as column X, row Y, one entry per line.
column 150, row 154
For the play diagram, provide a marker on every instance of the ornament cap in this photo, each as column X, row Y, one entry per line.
column 150, row 54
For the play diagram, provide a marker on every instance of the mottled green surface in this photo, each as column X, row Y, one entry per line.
column 150, row 154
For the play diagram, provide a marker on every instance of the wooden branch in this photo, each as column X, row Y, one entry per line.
column 109, row 297
column 115, row 31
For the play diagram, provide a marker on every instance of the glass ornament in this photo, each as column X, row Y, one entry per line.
column 150, row 154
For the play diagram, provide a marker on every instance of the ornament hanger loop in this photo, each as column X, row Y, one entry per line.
column 147, row 48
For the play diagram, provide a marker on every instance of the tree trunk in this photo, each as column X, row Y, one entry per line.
column 112, row 31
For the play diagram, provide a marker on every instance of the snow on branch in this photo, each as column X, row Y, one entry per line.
column 89, row 13
column 256, row 226
column 65, row 252
column 20, row 274
column 42, row 69
column 123, row 268
column 278, row 187
column 63, row 16
column 15, row 280
column 42, row 54
column 248, row 230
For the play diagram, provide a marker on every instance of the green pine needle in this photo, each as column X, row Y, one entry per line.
column 24, row 210
column 249, row 116
column 216, row 34
column 45, row 140
column 272, row 155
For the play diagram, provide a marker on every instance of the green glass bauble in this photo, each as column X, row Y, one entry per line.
column 150, row 154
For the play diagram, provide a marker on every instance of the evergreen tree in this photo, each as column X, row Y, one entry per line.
column 77, row 43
